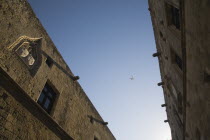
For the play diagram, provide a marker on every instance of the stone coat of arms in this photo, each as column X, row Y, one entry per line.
column 29, row 51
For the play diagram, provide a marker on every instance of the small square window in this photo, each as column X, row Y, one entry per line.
column 173, row 15
column 47, row 98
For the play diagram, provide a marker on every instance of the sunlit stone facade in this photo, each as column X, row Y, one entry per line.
column 40, row 98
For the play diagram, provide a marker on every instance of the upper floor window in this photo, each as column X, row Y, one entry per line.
column 47, row 98
column 49, row 62
column 207, row 76
column 176, row 60
column 173, row 15
column 161, row 34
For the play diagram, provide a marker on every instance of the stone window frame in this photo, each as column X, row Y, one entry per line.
column 176, row 59
column 173, row 16
column 170, row 26
column 49, row 62
column 52, row 110
column 175, row 65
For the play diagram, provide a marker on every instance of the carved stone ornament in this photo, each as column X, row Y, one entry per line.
column 29, row 51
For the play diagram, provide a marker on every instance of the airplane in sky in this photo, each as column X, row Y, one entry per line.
column 132, row 78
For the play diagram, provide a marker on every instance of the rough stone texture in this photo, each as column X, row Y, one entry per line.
column 189, row 119
column 198, row 63
column 18, row 124
column 167, row 39
column 72, row 106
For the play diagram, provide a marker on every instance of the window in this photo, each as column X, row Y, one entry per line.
column 95, row 138
column 161, row 34
column 49, row 62
column 176, row 60
column 173, row 15
column 207, row 76
column 47, row 98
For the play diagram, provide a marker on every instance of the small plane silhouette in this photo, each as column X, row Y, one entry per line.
column 132, row 78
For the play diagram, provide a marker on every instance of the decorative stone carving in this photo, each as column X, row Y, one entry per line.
column 29, row 51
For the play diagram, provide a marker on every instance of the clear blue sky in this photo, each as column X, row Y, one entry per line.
column 105, row 42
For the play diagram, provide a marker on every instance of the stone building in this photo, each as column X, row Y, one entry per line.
column 40, row 98
column 182, row 35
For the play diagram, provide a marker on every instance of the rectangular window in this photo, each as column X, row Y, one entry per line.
column 176, row 59
column 173, row 16
column 47, row 98
column 49, row 62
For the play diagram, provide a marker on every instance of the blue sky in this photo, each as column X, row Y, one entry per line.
column 105, row 42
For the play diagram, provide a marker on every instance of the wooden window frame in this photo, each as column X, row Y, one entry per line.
column 48, row 94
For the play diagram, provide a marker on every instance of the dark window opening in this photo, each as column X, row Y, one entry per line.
column 95, row 138
column 178, row 61
column 206, row 77
column 173, row 15
column 47, row 98
column 162, row 22
column 161, row 34
column 49, row 62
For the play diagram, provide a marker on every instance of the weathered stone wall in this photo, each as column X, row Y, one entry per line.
column 196, row 39
column 168, row 40
column 198, row 69
column 72, row 106
column 17, row 123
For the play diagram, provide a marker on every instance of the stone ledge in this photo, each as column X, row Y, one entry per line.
column 24, row 99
